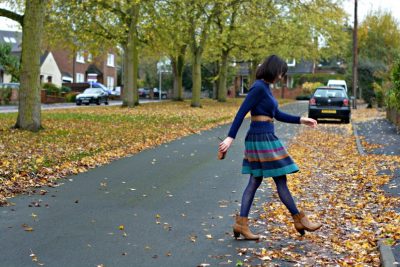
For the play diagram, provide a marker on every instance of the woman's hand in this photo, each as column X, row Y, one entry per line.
column 309, row 122
column 224, row 145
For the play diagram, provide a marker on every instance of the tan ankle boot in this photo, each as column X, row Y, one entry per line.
column 302, row 223
column 241, row 227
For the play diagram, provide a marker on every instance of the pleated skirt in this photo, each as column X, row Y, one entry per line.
column 264, row 154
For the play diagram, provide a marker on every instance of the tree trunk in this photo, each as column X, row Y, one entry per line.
column 177, row 69
column 29, row 113
column 127, row 100
column 131, row 58
column 196, row 76
column 125, row 74
column 223, row 72
column 216, row 80
column 135, row 68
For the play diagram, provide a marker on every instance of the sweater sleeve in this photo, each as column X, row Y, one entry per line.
column 252, row 99
column 284, row 117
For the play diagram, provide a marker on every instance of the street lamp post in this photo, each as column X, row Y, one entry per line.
column 159, row 89
column 162, row 66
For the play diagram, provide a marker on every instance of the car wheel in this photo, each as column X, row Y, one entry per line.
column 106, row 102
column 78, row 103
column 98, row 102
column 346, row 120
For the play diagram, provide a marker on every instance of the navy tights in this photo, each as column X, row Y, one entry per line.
column 283, row 192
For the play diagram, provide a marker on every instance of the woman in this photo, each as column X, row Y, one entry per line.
column 265, row 155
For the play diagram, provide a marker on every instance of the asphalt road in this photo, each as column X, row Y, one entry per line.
column 174, row 202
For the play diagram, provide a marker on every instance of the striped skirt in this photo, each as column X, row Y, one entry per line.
column 264, row 154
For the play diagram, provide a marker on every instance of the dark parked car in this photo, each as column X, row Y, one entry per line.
column 330, row 102
column 92, row 95
column 157, row 94
column 144, row 92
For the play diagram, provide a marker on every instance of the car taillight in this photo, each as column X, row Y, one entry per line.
column 313, row 102
column 346, row 102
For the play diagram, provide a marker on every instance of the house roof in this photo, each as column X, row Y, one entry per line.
column 93, row 69
column 301, row 68
column 66, row 74
column 13, row 38
column 43, row 57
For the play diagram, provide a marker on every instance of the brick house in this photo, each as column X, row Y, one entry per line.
column 82, row 67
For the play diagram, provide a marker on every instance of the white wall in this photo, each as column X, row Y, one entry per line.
column 50, row 68
column 7, row 78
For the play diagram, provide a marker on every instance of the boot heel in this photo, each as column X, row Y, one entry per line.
column 236, row 234
column 301, row 232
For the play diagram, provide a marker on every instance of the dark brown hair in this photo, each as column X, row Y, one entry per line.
column 271, row 68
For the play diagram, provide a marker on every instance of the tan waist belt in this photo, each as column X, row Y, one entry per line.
column 262, row 118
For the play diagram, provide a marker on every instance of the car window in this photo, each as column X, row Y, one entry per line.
column 92, row 91
column 338, row 85
column 329, row 93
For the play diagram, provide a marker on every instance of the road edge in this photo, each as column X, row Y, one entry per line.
column 385, row 251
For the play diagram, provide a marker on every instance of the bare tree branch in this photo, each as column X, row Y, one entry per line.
column 12, row 15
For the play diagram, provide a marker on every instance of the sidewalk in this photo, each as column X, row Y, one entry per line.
column 380, row 137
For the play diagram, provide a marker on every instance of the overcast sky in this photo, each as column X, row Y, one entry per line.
column 364, row 6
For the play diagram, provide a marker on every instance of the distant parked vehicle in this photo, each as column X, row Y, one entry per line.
column 10, row 85
column 144, row 92
column 80, row 87
column 157, row 93
column 92, row 95
column 330, row 102
column 116, row 91
column 338, row 83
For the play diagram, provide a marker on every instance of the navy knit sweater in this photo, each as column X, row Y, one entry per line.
column 260, row 101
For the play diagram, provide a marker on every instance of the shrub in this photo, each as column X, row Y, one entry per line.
column 71, row 97
column 52, row 89
column 5, row 95
column 393, row 95
column 379, row 95
column 65, row 89
column 299, row 79
column 309, row 88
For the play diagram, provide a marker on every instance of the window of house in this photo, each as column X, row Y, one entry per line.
column 6, row 39
column 80, row 57
column 110, row 82
column 89, row 57
column 12, row 39
column 291, row 63
column 80, row 78
column 110, row 60
column 49, row 79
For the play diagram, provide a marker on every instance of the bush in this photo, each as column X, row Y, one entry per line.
column 309, row 88
column 5, row 95
column 300, row 79
column 52, row 89
column 393, row 95
column 65, row 89
column 379, row 95
column 71, row 97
